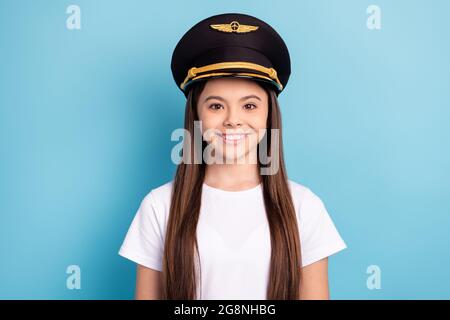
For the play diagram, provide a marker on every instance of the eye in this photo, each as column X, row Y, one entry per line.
column 215, row 106
column 250, row 106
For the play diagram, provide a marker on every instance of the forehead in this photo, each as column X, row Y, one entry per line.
column 232, row 86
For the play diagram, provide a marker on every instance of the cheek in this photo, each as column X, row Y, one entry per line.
column 205, row 117
column 209, row 124
column 259, row 124
column 260, row 117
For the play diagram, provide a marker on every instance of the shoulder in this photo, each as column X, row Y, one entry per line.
column 158, row 199
column 305, row 200
column 300, row 193
column 318, row 234
column 162, row 194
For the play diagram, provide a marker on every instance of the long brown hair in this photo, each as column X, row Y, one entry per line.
column 180, row 270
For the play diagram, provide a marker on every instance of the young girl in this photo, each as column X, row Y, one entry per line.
column 227, row 227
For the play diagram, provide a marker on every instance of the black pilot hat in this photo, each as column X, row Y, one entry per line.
column 231, row 45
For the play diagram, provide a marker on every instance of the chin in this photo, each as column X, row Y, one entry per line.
column 240, row 158
column 233, row 155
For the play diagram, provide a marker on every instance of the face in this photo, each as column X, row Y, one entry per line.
column 233, row 112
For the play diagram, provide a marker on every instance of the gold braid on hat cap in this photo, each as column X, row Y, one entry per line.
column 211, row 68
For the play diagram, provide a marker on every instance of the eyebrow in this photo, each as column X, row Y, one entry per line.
column 241, row 99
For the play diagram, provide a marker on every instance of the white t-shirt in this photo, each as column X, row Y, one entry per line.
column 233, row 237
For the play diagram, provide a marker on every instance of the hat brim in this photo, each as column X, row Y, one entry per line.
column 251, row 77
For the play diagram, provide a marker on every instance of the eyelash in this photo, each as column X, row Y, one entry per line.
column 217, row 104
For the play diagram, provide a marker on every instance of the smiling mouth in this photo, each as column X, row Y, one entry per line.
column 233, row 139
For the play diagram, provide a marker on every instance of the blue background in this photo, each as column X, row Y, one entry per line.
column 86, row 117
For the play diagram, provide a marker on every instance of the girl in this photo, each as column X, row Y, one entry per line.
column 227, row 227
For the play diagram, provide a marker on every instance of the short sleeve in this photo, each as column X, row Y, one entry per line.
column 318, row 235
column 144, row 241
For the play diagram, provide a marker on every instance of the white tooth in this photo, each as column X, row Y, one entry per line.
column 234, row 137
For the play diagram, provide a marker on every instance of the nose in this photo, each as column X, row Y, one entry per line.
column 233, row 118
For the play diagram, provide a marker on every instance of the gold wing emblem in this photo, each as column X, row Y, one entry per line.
column 234, row 26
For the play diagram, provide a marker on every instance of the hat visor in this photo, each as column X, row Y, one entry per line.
column 235, row 75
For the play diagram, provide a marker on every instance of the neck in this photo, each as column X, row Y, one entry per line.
column 232, row 177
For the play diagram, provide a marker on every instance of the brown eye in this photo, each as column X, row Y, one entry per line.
column 249, row 106
column 215, row 106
